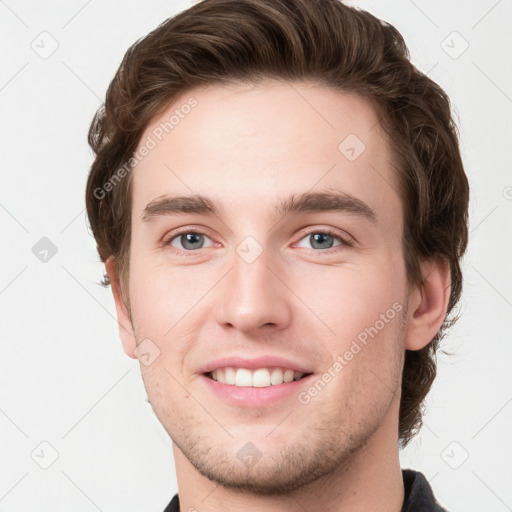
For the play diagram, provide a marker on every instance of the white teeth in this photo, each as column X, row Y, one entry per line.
column 229, row 376
column 243, row 377
column 288, row 376
column 276, row 376
column 259, row 378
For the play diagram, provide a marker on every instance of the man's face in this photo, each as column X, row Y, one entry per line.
column 311, row 286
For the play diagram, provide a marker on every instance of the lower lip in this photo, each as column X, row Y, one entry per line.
column 254, row 397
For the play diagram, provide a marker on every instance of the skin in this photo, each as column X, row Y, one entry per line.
column 247, row 147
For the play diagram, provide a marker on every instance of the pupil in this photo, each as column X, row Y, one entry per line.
column 190, row 238
column 321, row 239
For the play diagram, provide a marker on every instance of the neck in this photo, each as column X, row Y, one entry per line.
column 371, row 480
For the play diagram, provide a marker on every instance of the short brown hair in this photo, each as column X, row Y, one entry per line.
column 324, row 41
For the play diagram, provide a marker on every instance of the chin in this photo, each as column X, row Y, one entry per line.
column 273, row 471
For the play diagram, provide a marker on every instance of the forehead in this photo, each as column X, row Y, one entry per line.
column 250, row 144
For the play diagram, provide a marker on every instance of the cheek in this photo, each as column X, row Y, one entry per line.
column 350, row 299
column 161, row 295
column 150, row 307
column 363, row 309
column 168, row 307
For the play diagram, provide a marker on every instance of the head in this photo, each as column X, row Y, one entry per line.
column 243, row 104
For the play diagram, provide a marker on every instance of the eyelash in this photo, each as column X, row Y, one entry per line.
column 325, row 231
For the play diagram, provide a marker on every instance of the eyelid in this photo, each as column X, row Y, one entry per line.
column 346, row 240
column 170, row 236
column 337, row 233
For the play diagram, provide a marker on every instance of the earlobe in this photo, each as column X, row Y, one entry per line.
column 124, row 322
column 428, row 304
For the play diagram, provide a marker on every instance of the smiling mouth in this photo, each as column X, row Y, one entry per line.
column 256, row 378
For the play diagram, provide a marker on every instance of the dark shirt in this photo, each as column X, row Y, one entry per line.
column 418, row 495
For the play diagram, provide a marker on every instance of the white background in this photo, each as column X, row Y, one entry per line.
column 65, row 379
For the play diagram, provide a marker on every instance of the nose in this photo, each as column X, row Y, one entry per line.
column 254, row 295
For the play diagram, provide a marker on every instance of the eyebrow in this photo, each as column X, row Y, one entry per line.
column 297, row 203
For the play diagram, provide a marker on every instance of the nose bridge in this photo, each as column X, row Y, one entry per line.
column 253, row 296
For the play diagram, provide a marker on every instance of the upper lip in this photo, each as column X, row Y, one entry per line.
column 258, row 362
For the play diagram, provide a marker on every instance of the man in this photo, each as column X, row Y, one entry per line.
column 280, row 203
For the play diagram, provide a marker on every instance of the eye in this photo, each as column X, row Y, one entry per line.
column 324, row 239
column 187, row 241
column 321, row 240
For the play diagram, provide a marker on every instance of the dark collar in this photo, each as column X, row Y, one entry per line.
column 418, row 495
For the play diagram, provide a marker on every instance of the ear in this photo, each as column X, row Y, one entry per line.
column 428, row 303
column 123, row 312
